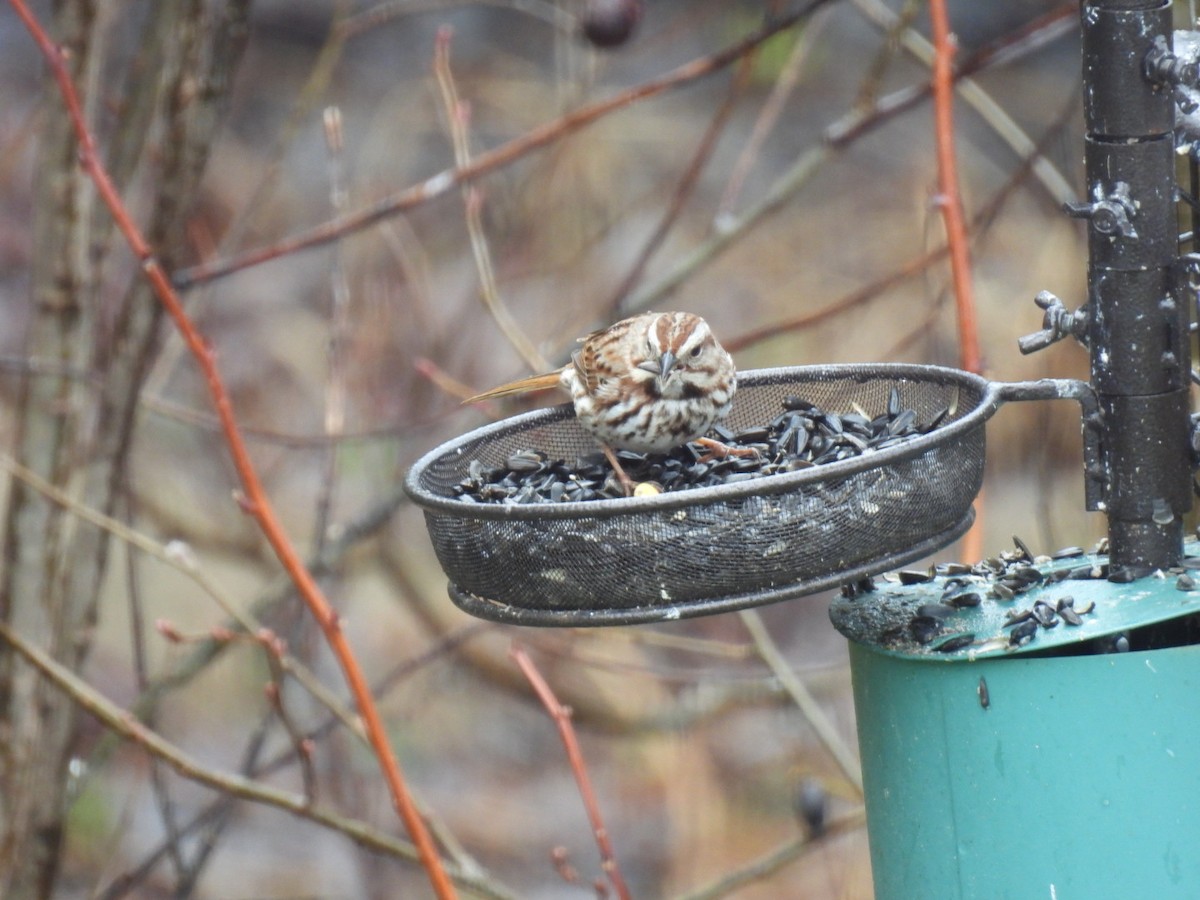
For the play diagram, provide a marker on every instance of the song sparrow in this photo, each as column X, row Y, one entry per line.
column 647, row 383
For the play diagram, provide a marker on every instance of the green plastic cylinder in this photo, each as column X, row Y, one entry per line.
column 1070, row 778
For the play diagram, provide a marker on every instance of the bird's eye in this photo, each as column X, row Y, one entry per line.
column 696, row 350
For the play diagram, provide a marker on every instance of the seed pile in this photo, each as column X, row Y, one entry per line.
column 802, row 435
column 1001, row 578
column 1020, row 598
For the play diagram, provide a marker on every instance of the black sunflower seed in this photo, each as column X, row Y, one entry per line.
column 802, row 435
column 1023, row 633
column 955, row 642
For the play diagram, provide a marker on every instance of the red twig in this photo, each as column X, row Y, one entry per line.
column 952, row 213
column 562, row 718
column 257, row 503
column 441, row 379
column 979, row 221
column 949, row 197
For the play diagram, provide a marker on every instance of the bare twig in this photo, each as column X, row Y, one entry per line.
column 443, row 380
column 772, row 109
column 339, row 312
column 562, row 719
column 495, row 158
column 126, row 725
column 687, row 184
column 872, row 83
column 1050, row 26
column 209, row 816
column 179, row 556
column 302, row 747
column 213, row 826
column 257, row 503
column 835, row 138
column 855, row 298
column 380, row 13
column 315, row 86
column 803, row 699
column 198, row 418
column 768, row 865
column 458, row 115
column 950, row 202
column 137, row 638
column 915, row 266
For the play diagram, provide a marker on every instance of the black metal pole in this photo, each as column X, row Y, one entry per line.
column 1137, row 322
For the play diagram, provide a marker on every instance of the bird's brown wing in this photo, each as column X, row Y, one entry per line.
column 603, row 358
column 584, row 361
column 543, row 382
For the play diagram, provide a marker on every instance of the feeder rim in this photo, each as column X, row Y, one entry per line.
column 992, row 395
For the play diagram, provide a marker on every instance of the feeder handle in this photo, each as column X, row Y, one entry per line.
column 1095, row 469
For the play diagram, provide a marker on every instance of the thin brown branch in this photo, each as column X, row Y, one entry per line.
column 495, row 158
column 380, row 13
column 687, row 183
column 257, row 503
column 458, row 117
column 767, row 865
column 913, row 267
column 835, row 138
column 562, row 720
column 339, row 315
column 1006, row 49
column 443, row 380
column 803, row 698
column 206, row 843
column 179, row 412
column 258, row 200
column 137, row 639
column 885, row 56
column 129, row 727
column 769, row 115
column 251, row 767
column 302, row 747
column 179, row 556
column 907, row 270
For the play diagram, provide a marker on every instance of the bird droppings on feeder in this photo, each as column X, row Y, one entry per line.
column 800, row 436
column 1015, row 602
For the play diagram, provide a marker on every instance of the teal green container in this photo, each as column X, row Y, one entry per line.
column 1031, row 772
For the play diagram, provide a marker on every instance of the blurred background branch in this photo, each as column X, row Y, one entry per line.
column 767, row 164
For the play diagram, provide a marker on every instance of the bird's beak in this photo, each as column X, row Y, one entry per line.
column 666, row 363
column 660, row 367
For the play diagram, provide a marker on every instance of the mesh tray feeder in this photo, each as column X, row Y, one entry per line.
column 713, row 549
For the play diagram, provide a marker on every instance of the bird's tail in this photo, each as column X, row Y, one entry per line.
column 543, row 382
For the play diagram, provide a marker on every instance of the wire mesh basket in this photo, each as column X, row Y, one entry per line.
column 713, row 549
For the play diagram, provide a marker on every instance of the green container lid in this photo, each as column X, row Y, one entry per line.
column 1042, row 769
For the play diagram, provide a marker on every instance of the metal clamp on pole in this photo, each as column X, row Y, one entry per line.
column 1058, row 323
